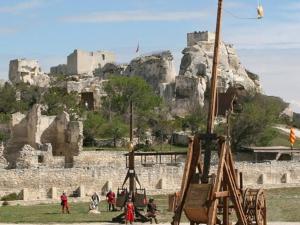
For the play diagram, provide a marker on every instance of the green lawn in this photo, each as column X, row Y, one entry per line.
column 283, row 205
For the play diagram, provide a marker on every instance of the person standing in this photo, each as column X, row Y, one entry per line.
column 111, row 198
column 95, row 200
column 129, row 211
column 64, row 203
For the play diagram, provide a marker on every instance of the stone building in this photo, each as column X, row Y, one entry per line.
column 60, row 69
column 38, row 131
column 27, row 71
column 194, row 37
column 83, row 62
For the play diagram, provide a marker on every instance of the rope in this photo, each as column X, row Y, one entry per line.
column 240, row 18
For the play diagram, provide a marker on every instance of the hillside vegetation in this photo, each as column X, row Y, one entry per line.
column 251, row 125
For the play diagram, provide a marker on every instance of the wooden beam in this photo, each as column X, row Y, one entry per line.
column 235, row 196
column 212, row 212
column 213, row 95
column 221, row 194
column 190, row 169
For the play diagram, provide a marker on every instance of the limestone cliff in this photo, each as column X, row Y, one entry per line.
column 196, row 68
column 156, row 69
column 197, row 61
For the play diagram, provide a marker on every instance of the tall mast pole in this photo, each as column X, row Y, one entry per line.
column 213, row 95
column 131, row 154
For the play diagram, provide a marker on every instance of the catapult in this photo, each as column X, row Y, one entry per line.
column 138, row 195
column 211, row 198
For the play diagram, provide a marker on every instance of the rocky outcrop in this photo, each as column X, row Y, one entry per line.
column 157, row 69
column 197, row 61
column 196, row 68
column 27, row 71
column 110, row 69
column 189, row 94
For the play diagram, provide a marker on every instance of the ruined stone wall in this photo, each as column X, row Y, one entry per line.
column 27, row 71
column 60, row 69
column 35, row 129
column 83, row 62
column 99, row 171
column 92, row 85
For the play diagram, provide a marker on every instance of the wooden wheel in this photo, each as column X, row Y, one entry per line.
column 254, row 205
column 261, row 217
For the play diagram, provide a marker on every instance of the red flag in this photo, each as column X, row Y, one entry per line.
column 137, row 48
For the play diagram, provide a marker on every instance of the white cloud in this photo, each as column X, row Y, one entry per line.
column 125, row 16
column 22, row 6
column 7, row 30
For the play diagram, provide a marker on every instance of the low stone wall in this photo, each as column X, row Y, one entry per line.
column 102, row 170
column 39, row 183
column 100, row 158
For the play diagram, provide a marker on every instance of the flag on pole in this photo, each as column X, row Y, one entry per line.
column 137, row 48
column 292, row 136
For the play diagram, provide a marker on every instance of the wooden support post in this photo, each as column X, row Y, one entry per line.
column 235, row 197
column 189, row 171
column 212, row 212
column 213, row 95
column 225, row 204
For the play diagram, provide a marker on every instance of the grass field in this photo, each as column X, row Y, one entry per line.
column 283, row 205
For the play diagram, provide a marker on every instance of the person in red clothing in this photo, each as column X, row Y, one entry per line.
column 64, row 203
column 111, row 199
column 129, row 211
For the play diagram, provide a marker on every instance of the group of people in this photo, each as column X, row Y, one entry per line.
column 111, row 200
column 130, row 211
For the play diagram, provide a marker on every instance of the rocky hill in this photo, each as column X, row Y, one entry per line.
column 186, row 90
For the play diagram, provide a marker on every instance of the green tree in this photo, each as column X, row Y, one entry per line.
column 196, row 121
column 92, row 127
column 8, row 101
column 253, row 126
column 114, row 129
column 59, row 100
column 121, row 90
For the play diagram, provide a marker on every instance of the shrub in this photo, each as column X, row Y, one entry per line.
column 10, row 197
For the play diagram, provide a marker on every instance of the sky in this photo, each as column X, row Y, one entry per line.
column 49, row 30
